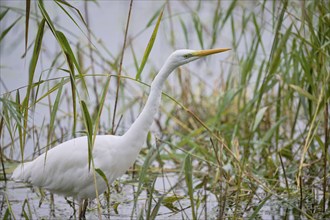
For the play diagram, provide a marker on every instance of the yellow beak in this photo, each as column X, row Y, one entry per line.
column 202, row 53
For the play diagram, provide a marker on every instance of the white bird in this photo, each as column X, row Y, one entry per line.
column 64, row 169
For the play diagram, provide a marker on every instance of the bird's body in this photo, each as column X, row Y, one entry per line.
column 64, row 169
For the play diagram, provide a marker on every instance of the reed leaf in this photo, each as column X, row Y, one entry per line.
column 259, row 116
column 255, row 214
column 27, row 19
column 54, row 111
column 74, row 8
column 104, row 177
column 3, row 14
column 32, row 67
column 188, row 171
column 199, row 29
column 89, row 131
column 149, row 46
column 303, row 92
column 5, row 32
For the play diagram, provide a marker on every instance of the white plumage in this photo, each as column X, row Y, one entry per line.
column 64, row 170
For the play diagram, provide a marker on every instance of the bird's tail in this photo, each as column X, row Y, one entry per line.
column 22, row 172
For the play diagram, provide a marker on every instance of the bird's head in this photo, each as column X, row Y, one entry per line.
column 180, row 57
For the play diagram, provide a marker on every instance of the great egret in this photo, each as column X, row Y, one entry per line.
column 64, row 169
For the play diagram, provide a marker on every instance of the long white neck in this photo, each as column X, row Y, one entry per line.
column 138, row 131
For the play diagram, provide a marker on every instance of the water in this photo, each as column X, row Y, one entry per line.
column 38, row 207
column 122, row 202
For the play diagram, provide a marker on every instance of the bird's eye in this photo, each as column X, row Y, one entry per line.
column 188, row 55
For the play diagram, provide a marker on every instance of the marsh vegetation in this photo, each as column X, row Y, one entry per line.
column 241, row 135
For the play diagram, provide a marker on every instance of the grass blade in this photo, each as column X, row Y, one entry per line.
column 149, row 46
column 229, row 12
column 54, row 112
column 259, row 116
column 27, row 18
column 63, row 42
column 270, row 133
column 152, row 154
column 255, row 214
column 189, row 181
column 303, row 92
column 199, row 30
column 72, row 59
column 102, row 101
column 136, row 63
column 153, row 18
column 185, row 32
column 12, row 108
column 32, row 67
column 77, row 10
column 5, row 32
column 278, row 51
column 120, row 67
column 2, row 15
column 104, row 177
column 46, row 17
column 89, row 131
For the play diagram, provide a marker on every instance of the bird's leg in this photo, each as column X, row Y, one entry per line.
column 52, row 205
column 82, row 208
column 81, row 204
column 72, row 204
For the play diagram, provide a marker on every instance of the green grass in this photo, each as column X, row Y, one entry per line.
column 254, row 138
